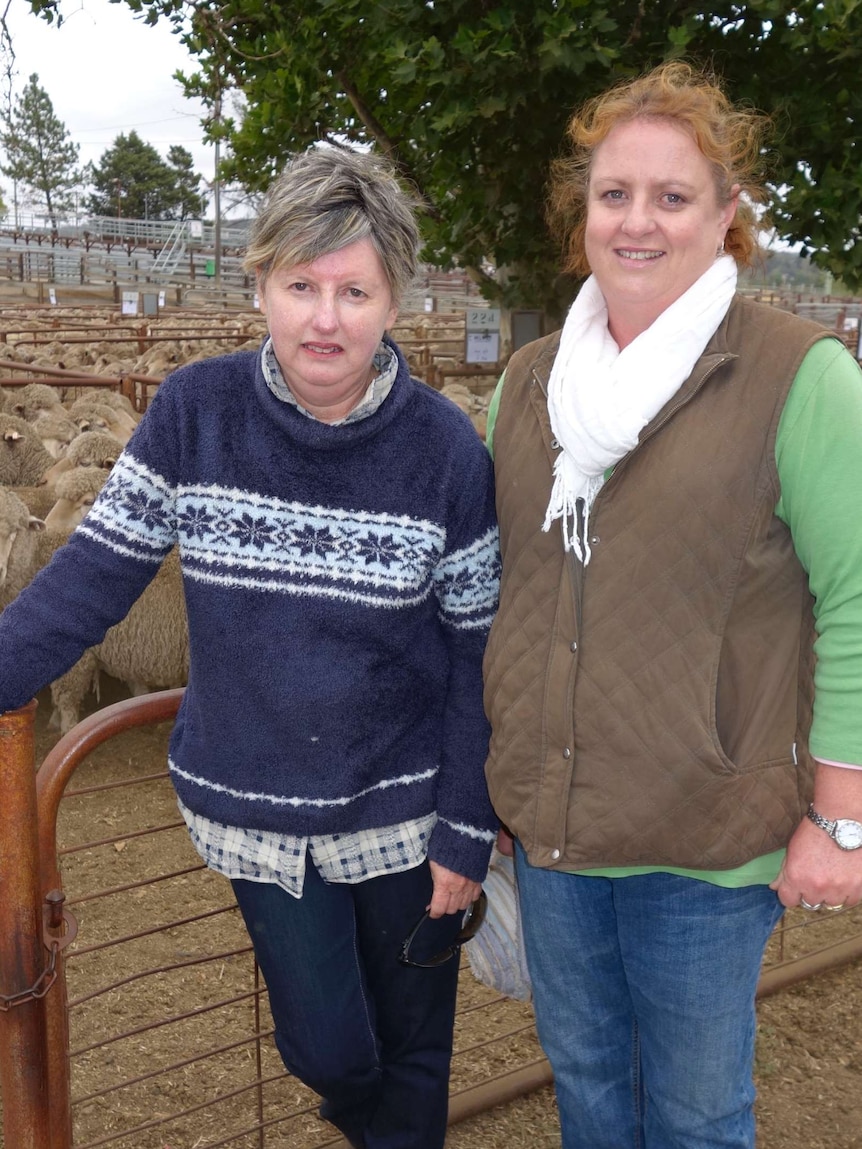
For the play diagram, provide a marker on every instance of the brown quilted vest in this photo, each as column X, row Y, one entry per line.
column 653, row 708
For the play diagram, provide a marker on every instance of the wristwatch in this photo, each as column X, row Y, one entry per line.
column 844, row 831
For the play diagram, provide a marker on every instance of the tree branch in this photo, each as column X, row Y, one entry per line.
column 390, row 149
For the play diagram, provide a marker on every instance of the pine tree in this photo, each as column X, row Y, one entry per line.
column 39, row 154
column 191, row 204
column 133, row 181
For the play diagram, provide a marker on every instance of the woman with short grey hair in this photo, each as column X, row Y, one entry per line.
column 336, row 528
column 326, row 199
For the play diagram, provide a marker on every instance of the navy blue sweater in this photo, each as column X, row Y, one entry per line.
column 340, row 583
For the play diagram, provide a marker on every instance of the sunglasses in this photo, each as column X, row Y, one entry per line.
column 473, row 918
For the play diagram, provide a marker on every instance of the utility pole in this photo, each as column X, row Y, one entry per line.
column 217, row 191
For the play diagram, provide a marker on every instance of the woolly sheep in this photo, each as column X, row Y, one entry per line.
column 28, row 551
column 91, row 416
column 39, row 500
column 113, row 399
column 460, row 395
column 29, row 400
column 23, row 458
column 56, row 430
column 73, row 495
column 28, row 547
column 18, row 529
column 88, row 449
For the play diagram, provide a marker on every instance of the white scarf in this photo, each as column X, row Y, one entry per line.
column 600, row 398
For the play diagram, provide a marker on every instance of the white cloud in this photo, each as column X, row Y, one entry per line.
column 108, row 73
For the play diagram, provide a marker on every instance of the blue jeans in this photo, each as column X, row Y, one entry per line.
column 644, row 995
column 371, row 1036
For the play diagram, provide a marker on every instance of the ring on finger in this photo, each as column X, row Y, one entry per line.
column 826, row 906
column 807, row 905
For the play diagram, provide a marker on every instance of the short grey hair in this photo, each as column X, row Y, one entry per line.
column 329, row 197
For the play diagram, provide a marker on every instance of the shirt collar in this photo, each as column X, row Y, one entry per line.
column 385, row 366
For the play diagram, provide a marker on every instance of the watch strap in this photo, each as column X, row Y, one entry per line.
column 819, row 820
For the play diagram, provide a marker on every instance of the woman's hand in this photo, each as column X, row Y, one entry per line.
column 505, row 842
column 452, row 892
column 816, row 869
column 819, row 871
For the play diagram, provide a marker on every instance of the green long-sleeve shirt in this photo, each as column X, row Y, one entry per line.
column 818, row 453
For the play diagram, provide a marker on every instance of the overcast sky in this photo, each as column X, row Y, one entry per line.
column 108, row 73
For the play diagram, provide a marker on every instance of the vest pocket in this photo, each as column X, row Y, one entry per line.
column 756, row 705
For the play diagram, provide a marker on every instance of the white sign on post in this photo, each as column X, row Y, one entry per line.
column 483, row 346
column 130, row 303
column 483, row 335
column 52, row 296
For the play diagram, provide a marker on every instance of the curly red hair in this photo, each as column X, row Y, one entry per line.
column 730, row 138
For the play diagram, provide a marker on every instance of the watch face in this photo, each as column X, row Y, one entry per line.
column 848, row 834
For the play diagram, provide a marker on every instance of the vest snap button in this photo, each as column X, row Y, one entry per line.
column 567, row 753
column 555, row 854
column 573, row 647
column 555, row 443
column 594, row 539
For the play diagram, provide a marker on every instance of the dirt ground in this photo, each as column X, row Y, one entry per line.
column 809, row 1061
column 808, row 1075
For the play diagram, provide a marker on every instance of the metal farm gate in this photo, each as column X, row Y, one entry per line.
column 132, row 1015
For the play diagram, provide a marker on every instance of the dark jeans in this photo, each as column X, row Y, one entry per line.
column 371, row 1036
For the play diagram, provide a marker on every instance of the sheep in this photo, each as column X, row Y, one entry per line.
column 23, row 458
column 91, row 416
column 89, row 449
column 28, row 545
column 39, row 500
column 460, row 395
column 148, row 649
column 113, row 399
column 56, row 430
column 73, row 495
column 32, row 398
column 18, row 529
column 157, row 363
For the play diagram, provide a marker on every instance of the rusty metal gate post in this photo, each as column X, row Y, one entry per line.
column 23, row 957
